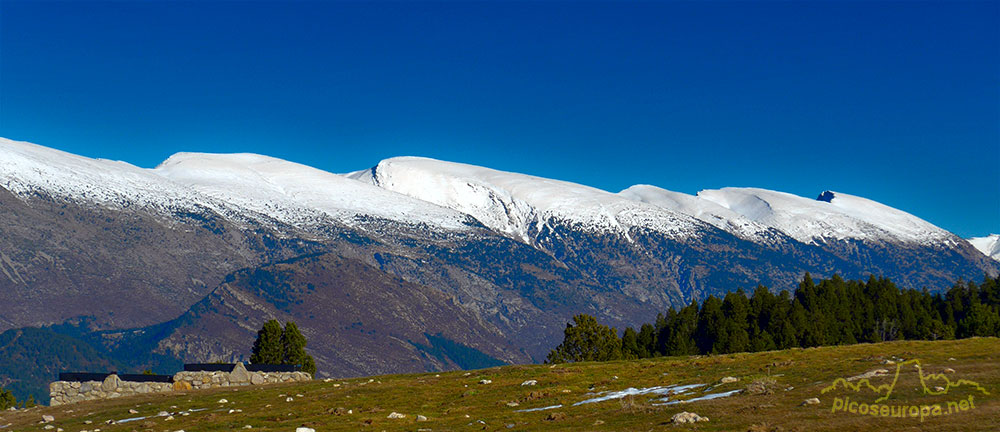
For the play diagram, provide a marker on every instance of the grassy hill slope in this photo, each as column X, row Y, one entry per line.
column 463, row 401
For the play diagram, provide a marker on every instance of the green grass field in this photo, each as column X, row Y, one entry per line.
column 457, row 401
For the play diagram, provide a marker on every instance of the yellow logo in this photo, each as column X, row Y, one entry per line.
column 934, row 384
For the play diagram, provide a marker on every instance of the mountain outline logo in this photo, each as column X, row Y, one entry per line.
column 865, row 382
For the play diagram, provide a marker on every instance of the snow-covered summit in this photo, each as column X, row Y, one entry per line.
column 989, row 245
column 297, row 194
column 519, row 204
column 837, row 216
column 703, row 209
column 243, row 186
column 27, row 168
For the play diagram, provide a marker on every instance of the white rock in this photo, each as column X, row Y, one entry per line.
column 133, row 411
column 166, row 419
column 687, row 417
column 48, row 418
column 811, row 401
column 222, row 401
column 728, row 379
column 289, row 399
column 870, row 374
column 485, row 381
column 949, row 370
column 421, row 418
column 396, row 415
column 530, row 383
column 161, row 414
column 304, row 429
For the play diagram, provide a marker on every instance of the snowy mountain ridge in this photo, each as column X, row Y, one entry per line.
column 835, row 216
column 519, row 204
column 237, row 186
column 421, row 191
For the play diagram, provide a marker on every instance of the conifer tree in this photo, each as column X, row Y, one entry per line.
column 587, row 340
column 268, row 348
column 294, row 347
column 647, row 341
column 711, row 332
column 630, row 344
column 7, row 399
column 735, row 308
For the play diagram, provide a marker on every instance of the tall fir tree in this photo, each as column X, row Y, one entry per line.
column 630, row 344
column 268, row 348
column 294, row 346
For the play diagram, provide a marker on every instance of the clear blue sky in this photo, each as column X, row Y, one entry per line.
column 895, row 101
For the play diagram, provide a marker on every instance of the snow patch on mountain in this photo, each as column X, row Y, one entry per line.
column 837, row 216
column 989, row 245
column 518, row 204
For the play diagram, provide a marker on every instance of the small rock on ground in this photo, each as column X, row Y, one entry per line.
column 486, row 381
column 728, row 379
column 530, row 383
column 811, row 401
column 556, row 416
column 687, row 417
column 421, row 418
column 396, row 415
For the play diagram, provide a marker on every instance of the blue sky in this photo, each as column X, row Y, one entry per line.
column 897, row 101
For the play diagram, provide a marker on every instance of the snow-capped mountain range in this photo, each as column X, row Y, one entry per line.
column 442, row 194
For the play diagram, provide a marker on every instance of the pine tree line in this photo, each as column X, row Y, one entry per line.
column 832, row 312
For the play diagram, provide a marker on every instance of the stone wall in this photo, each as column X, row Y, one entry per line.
column 64, row 392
